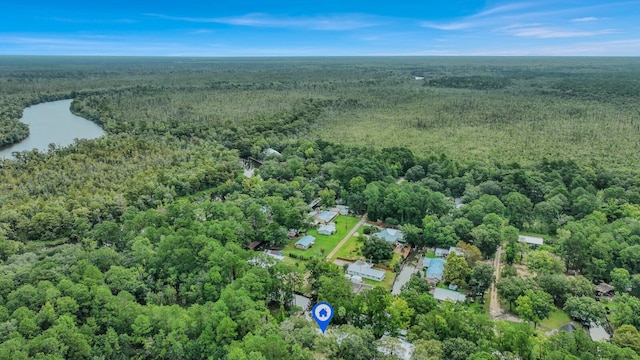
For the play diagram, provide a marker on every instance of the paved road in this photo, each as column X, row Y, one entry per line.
column 362, row 221
column 494, row 304
column 403, row 277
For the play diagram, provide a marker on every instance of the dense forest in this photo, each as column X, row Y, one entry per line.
column 135, row 245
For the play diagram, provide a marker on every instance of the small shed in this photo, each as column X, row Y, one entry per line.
column 568, row 328
column 456, row 250
column 441, row 294
column 442, row 253
column 254, row 245
column 604, row 289
column 305, row 242
column 271, row 151
column 531, row 240
column 314, row 203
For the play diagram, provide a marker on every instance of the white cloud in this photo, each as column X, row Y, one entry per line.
column 331, row 23
column 504, row 9
column 585, row 19
column 551, row 33
column 461, row 25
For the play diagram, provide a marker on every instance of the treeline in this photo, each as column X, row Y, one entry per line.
column 132, row 246
column 146, row 273
column 12, row 131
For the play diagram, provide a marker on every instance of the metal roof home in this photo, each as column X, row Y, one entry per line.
column 305, row 242
column 326, row 217
column 435, row 269
column 441, row 294
column 390, row 235
column 327, row 229
column 365, row 270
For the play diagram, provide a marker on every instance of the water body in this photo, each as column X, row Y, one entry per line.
column 52, row 123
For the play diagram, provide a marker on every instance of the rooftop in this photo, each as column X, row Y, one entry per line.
column 326, row 216
column 306, row 241
column 271, row 151
column 325, row 229
column 530, row 240
column 366, row 269
column 436, row 269
column 441, row 252
column 444, row 294
column 605, row 288
column 568, row 328
column 390, row 235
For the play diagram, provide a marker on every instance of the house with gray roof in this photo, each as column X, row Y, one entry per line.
column 441, row 294
column 305, row 242
column 327, row 229
column 366, row 271
column 392, row 236
column 442, row 252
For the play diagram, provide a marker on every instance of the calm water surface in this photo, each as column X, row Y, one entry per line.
column 52, row 122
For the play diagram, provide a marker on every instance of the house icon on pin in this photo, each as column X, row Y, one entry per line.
column 323, row 313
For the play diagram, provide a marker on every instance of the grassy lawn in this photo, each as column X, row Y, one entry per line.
column 387, row 283
column 350, row 249
column 324, row 243
column 397, row 258
column 556, row 319
column 430, row 255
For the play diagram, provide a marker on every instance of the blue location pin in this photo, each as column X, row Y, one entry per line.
column 322, row 313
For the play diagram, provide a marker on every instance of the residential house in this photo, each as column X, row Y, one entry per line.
column 435, row 268
column 327, row 229
column 441, row 294
column 340, row 209
column 392, row 236
column 305, row 242
column 326, row 217
column 276, row 254
column 366, row 271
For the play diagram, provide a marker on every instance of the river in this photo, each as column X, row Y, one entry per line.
column 52, row 123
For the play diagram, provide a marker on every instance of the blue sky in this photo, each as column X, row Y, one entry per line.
column 321, row 27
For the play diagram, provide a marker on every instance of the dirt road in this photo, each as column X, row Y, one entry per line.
column 362, row 221
column 494, row 304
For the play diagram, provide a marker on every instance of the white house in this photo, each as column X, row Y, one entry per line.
column 365, row 270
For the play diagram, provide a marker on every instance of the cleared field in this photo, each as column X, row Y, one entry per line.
column 350, row 249
column 556, row 319
column 324, row 243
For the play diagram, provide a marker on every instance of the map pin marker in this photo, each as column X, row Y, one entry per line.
column 322, row 314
